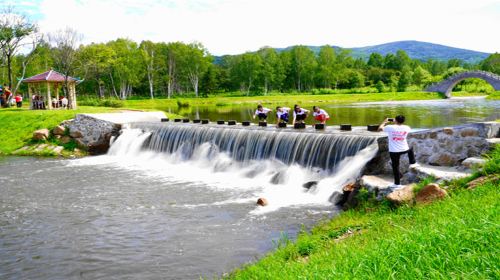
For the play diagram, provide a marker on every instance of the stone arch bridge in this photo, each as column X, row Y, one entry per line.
column 445, row 86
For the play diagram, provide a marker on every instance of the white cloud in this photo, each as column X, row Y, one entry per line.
column 229, row 27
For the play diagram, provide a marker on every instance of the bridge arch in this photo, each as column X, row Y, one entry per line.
column 447, row 85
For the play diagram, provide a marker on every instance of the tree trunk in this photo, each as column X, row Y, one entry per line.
column 9, row 69
column 113, row 85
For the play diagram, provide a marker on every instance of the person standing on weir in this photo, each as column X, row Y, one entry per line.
column 398, row 145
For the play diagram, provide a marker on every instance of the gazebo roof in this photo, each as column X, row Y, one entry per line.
column 49, row 76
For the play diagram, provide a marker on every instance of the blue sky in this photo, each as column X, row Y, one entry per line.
column 230, row 27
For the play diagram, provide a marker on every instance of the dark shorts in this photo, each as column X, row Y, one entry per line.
column 300, row 117
column 284, row 117
column 262, row 116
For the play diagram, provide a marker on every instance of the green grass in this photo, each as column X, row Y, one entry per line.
column 494, row 96
column 17, row 125
column 458, row 237
column 163, row 104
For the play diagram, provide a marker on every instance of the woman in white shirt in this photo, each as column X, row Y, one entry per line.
column 261, row 112
column 397, row 134
column 320, row 115
column 299, row 114
column 282, row 114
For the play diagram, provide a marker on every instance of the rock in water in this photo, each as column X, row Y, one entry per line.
column 430, row 193
column 401, row 196
column 310, row 184
column 58, row 130
column 262, row 201
column 41, row 134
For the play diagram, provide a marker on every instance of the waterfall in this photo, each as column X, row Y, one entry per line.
column 251, row 161
column 308, row 149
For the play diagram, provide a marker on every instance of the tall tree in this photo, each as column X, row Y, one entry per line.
column 15, row 32
column 303, row 65
column 326, row 66
column 97, row 61
column 148, row 53
column 65, row 42
column 272, row 69
column 196, row 63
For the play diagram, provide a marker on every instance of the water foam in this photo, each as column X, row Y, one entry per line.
column 207, row 165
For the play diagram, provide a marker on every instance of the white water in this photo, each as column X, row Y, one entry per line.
column 280, row 184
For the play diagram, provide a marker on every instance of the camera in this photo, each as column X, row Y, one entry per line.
column 390, row 120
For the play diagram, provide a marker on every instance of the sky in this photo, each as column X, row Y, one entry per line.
column 233, row 27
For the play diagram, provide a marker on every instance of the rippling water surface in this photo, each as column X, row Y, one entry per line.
column 96, row 219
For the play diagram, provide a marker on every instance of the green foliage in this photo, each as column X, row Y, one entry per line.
column 492, row 63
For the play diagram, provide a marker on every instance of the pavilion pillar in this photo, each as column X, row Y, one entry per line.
column 73, row 95
column 49, row 97
column 57, row 95
column 30, row 96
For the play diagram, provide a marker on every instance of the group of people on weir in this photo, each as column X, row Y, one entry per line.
column 395, row 128
column 299, row 114
column 7, row 99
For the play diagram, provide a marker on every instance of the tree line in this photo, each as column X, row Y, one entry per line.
column 123, row 68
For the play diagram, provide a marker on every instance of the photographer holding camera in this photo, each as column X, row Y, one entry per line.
column 398, row 145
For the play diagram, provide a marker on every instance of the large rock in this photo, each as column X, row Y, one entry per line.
column 59, row 130
column 402, row 195
column 41, row 134
column 493, row 178
column 443, row 159
column 430, row 193
column 473, row 162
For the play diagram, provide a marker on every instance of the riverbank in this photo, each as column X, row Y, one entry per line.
column 161, row 104
column 17, row 127
column 453, row 238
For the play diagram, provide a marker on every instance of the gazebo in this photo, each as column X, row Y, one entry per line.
column 48, row 83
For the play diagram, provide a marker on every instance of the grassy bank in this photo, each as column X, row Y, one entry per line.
column 162, row 104
column 17, row 125
column 458, row 237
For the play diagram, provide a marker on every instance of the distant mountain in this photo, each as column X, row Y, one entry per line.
column 415, row 49
column 422, row 51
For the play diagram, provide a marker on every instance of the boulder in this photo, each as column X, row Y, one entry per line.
column 473, row 162
column 75, row 134
column 59, row 130
column 442, row 159
column 262, row 201
column 469, row 132
column 402, row 195
column 349, row 187
column 65, row 140
column 448, row 130
column 41, row 134
column 430, row 193
column 494, row 178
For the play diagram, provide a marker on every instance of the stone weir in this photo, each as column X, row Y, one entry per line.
column 448, row 146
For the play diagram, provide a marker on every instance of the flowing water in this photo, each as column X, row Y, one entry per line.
column 419, row 114
column 169, row 202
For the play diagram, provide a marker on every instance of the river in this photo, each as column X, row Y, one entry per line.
column 419, row 114
column 149, row 215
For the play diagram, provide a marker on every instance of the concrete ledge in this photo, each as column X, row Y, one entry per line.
column 129, row 117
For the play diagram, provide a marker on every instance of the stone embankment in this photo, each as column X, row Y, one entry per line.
column 443, row 153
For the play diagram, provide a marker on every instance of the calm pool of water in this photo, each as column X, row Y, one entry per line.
column 419, row 114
